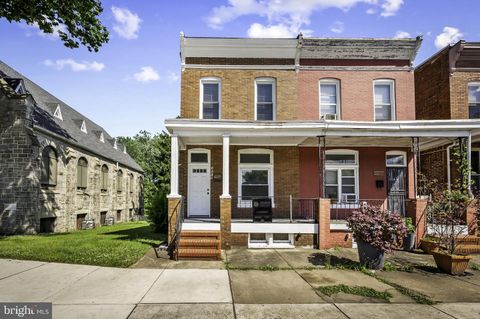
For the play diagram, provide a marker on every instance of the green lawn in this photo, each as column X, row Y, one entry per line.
column 119, row 245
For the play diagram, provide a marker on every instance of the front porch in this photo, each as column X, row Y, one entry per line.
column 314, row 173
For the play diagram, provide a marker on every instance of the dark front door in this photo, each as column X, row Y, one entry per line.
column 396, row 188
column 80, row 219
column 103, row 217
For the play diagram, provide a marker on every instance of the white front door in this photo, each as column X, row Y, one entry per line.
column 198, row 190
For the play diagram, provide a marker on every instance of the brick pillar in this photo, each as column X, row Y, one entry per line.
column 173, row 201
column 417, row 210
column 472, row 219
column 323, row 221
column 225, row 221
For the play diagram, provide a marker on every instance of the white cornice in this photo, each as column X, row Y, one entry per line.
column 437, row 128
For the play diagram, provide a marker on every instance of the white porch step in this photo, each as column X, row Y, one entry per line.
column 187, row 225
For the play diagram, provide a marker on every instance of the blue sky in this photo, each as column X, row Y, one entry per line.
column 132, row 83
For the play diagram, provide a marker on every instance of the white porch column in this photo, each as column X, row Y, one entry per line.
column 226, row 167
column 174, row 167
column 469, row 159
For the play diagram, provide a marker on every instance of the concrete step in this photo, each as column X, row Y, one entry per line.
column 199, row 253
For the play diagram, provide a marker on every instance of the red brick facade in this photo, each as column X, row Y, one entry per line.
column 356, row 93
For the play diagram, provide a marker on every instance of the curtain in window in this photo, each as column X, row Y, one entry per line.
column 264, row 101
column 383, row 104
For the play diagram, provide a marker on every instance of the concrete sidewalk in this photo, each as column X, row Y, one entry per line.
column 78, row 291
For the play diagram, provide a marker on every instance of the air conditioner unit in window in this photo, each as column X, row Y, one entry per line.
column 349, row 198
column 329, row 117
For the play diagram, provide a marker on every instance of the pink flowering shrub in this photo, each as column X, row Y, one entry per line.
column 380, row 228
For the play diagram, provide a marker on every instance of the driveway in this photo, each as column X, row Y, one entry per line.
column 79, row 291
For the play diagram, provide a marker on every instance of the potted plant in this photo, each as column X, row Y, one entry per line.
column 409, row 240
column 428, row 244
column 376, row 231
column 447, row 211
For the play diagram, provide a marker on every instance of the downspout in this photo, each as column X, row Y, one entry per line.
column 448, row 165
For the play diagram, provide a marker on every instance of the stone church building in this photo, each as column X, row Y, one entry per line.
column 59, row 171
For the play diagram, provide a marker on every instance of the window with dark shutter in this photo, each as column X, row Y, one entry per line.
column 48, row 166
column 119, row 181
column 82, row 171
column 104, row 181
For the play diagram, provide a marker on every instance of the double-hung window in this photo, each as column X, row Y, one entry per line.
column 329, row 99
column 341, row 176
column 265, row 99
column 210, row 98
column 255, row 175
column 384, row 100
column 474, row 100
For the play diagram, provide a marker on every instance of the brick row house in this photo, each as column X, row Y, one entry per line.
column 317, row 126
column 447, row 86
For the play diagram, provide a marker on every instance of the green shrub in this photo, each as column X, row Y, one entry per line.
column 158, row 214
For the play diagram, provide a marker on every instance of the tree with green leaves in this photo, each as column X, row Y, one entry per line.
column 79, row 17
column 152, row 153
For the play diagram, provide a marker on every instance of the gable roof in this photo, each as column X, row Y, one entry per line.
column 68, row 128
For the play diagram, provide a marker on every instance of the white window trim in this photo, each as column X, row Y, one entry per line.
column 269, row 243
column 258, row 166
column 403, row 153
column 198, row 150
column 273, row 82
column 469, row 84
column 391, row 83
column 340, row 167
column 337, row 90
column 210, row 80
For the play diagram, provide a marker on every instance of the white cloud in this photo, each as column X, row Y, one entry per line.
column 402, row 35
column 127, row 23
column 284, row 17
column 371, row 11
column 147, row 74
column 173, row 77
column 391, row 7
column 258, row 30
column 32, row 29
column 74, row 65
column 449, row 35
column 337, row 27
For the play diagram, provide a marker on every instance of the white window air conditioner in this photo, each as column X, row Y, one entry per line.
column 349, row 198
column 329, row 116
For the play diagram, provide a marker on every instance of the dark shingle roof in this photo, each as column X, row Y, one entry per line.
column 69, row 128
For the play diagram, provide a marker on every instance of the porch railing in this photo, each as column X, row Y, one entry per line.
column 177, row 215
column 341, row 210
column 287, row 207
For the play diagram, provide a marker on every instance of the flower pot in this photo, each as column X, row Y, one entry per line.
column 371, row 257
column 409, row 242
column 451, row 264
column 428, row 245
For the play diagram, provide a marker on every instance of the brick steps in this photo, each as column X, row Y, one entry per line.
column 469, row 240
column 200, row 245
column 198, row 242
column 468, row 249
